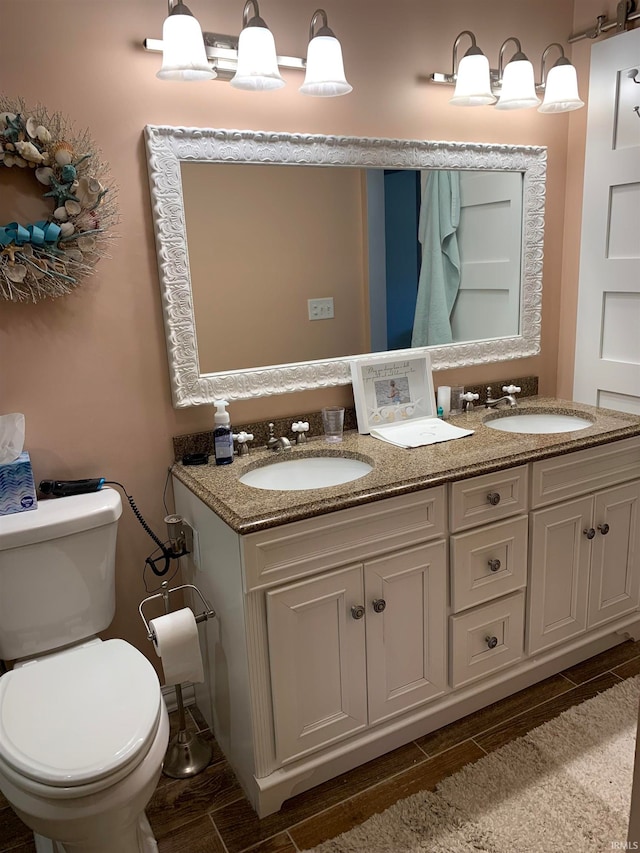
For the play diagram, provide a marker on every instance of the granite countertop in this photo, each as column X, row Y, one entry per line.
column 396, row 470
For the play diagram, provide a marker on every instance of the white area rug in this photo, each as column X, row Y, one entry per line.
column 565, row 786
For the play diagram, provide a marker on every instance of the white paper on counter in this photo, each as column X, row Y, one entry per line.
column 420, row 432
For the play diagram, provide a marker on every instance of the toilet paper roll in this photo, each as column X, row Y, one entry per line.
column 175, row 638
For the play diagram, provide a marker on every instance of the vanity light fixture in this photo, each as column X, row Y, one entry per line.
column 512, row 85
column 518, row 85
column 249, row 61
column 325, row 76
column 560, row 85
column 473, row 77
column 184, row 56
column 257, row 69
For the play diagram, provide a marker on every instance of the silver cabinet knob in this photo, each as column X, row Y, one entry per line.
column 379, row 605
column 604, row 528
column 494, row 565
column 493, row 498
column 357, row 611
column 589, row 532
column 492, row 642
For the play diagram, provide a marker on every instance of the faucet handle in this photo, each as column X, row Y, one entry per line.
column 242, row 438
column 511, row 389
column 468, row 400
column 300, row 428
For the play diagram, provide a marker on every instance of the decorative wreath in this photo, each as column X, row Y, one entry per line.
column 49, row 258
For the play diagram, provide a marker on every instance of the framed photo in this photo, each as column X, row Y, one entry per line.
column 392, row 389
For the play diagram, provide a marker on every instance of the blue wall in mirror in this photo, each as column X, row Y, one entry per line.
column 402, row 210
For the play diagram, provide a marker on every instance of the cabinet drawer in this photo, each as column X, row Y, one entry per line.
column 328, row 541
column 584, row 471
column 488, row 498
column 488, row 562
column 499, row 624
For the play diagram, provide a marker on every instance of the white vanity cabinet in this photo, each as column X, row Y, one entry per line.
column 344, row 635
column 585, row 552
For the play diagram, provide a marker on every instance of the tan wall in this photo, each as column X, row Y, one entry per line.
column 262, row 241
column 89, row 371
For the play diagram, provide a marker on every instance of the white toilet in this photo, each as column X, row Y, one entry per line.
column 83, row 726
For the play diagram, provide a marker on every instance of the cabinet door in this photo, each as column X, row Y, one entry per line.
column 406, row 602
column 615, row 573
column 559, row 579
column 317, row 660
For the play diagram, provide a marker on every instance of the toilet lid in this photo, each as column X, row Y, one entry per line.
column 79, row 715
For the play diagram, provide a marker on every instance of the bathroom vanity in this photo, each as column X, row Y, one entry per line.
column 355, row 618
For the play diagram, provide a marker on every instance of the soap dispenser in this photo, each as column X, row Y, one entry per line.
column 222, row 435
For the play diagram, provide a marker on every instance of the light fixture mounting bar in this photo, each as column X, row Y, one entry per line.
column 222, row 51
column 450, row 79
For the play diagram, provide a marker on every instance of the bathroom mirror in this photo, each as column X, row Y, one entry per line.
column 199, row 179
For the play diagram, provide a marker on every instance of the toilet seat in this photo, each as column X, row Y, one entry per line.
column 106, row 694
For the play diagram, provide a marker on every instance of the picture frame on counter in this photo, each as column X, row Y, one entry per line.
column 392, row 389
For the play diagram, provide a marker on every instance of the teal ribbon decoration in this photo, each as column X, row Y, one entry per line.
column 39, row 234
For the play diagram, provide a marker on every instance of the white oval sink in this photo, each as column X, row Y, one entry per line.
column 310, row 472
column 539, row 423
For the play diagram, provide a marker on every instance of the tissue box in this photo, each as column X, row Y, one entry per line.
column 17, row 489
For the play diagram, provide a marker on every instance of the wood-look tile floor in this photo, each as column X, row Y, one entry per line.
column 209, row 813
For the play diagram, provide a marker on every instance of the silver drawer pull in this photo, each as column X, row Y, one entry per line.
column 604, row 528
column 493, row 498
column 494, row 565
column 492, row 642
column 379, row 605
column 589, row 532
column 357, row 611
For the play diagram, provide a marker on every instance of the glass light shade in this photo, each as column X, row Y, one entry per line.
column 518, row 86
column 183, row 54
column 325, row 76
column 561, row 90
column 473, row 82
column 257, row 69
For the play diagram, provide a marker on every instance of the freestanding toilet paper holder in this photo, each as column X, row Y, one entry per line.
column 188, row 753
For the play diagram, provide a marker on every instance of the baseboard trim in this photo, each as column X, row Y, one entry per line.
column 169, row 696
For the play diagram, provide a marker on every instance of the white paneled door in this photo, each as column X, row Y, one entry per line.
column 489, row 238
column 607, row 369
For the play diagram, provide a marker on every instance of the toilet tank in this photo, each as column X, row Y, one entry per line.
column 57, row 572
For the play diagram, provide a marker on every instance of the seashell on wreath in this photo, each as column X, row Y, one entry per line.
column 32, row 127
column 67, row 229
column 44, row 175
column 51, row 257
column 29, row 152
column 62, row 153
column 16, row 272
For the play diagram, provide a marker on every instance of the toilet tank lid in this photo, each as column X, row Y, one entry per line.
column 58, row 517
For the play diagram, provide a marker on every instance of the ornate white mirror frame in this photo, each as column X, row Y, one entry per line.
column 168, row 146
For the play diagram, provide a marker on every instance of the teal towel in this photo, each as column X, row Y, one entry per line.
column 440, row 269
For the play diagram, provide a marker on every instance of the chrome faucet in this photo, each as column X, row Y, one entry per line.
column 508, row 390
column 278, row 445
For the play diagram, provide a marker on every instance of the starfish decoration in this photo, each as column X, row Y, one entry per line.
column 10, row 250
column 13, row 128
column 60, row 192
